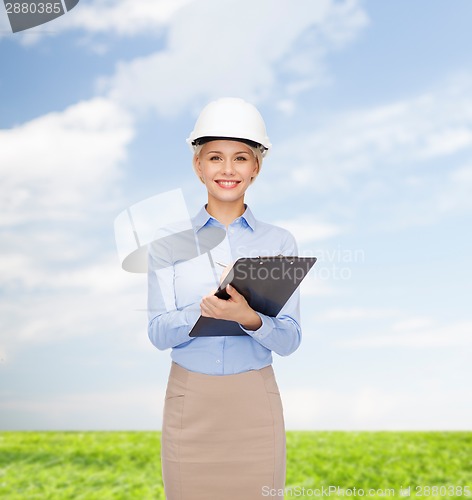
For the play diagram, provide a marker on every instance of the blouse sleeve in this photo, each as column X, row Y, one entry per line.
column 167, row 326
column 282, row 334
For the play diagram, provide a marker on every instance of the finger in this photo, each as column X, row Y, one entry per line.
column 210, row 311
column 211, row 300
column 233, row 293
column 206, row 309
column 209, row 304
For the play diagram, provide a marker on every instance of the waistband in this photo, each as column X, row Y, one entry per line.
column 180, row 373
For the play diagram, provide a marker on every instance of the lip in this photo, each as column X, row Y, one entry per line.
column 227, row 184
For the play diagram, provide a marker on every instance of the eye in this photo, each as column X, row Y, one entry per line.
column 241, row 158
column 215, row 158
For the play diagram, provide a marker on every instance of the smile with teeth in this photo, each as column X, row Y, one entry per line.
column 227, row 184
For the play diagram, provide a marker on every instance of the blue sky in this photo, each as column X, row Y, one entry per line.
column 369, row 107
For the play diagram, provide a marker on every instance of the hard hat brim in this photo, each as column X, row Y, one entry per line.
column 203, row 140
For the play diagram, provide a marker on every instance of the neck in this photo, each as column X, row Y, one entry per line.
column 225, row 212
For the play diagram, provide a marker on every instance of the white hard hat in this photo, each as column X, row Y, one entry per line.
column 230, row 118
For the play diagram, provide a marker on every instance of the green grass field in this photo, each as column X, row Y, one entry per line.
column 126, row 465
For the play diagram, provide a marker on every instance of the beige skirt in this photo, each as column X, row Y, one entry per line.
column 223, row 436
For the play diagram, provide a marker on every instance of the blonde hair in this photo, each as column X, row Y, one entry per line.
column 255, row 151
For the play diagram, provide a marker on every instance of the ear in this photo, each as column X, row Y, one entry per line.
column 256, row 171
column 197, row 167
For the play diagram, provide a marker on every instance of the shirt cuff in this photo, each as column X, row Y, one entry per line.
column 191, row 317
column 263, row 330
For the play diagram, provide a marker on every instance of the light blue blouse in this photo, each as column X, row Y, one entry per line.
column 176, row 288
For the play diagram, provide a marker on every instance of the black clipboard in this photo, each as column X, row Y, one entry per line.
column 266, row 282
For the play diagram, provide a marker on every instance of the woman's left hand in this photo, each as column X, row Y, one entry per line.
column 235, row 308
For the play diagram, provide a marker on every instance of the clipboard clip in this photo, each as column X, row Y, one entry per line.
column 280, row 256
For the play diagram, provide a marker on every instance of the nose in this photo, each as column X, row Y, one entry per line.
column 227, row 167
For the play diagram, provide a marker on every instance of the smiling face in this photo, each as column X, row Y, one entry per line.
column 227, row 168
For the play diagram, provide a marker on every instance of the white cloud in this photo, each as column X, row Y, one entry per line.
column 416, row 334
column 122, row 17
column 287, row 106
column 59, row 187
column 304, row 229
column 388, row 140
column 312, row 286
column 126, row 18
column 374, row 408
column 52, row 167
column 397, row 165
column 355, row 313
column 463, row 174
column 137, row 408
column 34, row 271
column 413, row 324
column 368, row 408
column 131, row 18
column 17, row 269
column 42, row 318
column 454, row 196
column 208, row 56
column 80, row 299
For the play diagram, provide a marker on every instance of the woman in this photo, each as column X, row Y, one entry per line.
column 223, row 434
